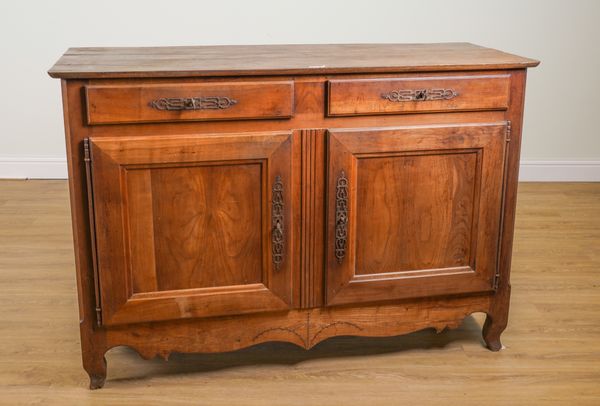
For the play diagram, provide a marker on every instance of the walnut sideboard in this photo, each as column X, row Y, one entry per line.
column 226, row 196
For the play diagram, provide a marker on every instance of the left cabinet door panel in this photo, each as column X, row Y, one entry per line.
column 192, row 225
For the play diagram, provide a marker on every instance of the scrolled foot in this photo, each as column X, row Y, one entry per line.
column 97, row 381
column 491, row 333
column 95, row 366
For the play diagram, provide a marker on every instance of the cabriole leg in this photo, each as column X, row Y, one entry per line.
column 492, row 330
column 497, row 319
column 94, row 364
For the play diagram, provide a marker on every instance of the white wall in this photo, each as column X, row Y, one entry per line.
column 561, row 138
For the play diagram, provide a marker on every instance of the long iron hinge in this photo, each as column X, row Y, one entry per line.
column 90, row 195
column 496, row 279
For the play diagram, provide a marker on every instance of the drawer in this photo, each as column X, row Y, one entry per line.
column 144, row 103
column 349, row 97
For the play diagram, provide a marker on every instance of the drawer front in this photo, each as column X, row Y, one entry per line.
column 351, row 97
column 112, row 104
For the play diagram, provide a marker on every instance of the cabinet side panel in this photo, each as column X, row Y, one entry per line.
column 93, row 337
column 497, row 319
column 515, row 116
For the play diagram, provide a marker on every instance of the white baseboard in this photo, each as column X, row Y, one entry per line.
column 33, row 168
column 530, row 171
column 559, row 171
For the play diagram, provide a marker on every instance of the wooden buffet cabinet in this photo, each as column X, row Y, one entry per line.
column 227, row 196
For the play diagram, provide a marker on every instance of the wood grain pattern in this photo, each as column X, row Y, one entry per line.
column 140, row 213
column 416, row 212
column 545, row 362
column 313, row 233
column 208, row 258
column 372, row 269
column 110, row 104
column 497, row 315
column 349, row 97
column 304, row 328
column 215, row 239
column 158, row 322
column 309, row 99
column 85, row 63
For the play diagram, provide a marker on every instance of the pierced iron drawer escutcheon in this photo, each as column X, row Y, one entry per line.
column 420, row 95
column 193, row 103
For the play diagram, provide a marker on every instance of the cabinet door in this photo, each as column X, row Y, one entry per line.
column 193, row 225
column 413, row 211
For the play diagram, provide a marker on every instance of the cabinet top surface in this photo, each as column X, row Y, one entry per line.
column 246, row 60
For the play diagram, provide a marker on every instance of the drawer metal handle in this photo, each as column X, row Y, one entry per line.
column 419, row 95
column 193, row 103
column 341, row 216
column 277, row 219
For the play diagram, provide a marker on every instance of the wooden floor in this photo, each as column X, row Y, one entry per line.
column 553, row 337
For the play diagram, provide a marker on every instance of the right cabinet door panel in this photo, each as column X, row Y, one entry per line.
column 413, row 211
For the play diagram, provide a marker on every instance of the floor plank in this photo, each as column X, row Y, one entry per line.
column 553, row 337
